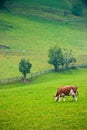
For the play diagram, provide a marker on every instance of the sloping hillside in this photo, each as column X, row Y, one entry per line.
column 29, row 29
column 48, row 9
column 56, row 4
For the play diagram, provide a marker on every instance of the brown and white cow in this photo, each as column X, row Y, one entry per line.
column 66, row 91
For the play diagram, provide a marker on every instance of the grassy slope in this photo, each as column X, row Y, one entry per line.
column 31, row 106
column 60, row 4
column 31, row 36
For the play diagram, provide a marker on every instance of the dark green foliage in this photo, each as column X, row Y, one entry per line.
column 24, row 67
column 59, row 57
column 77, row 9
column 2, row 4
column 55, row 57
column 85, row 1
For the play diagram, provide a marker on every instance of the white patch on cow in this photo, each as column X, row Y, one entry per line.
column 71, row 92
column 63, row 94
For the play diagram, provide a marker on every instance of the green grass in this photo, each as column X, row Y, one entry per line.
column 30, row 28
column 31, row 106
column 31, row 37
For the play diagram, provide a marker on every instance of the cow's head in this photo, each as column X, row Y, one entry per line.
column 56, row 98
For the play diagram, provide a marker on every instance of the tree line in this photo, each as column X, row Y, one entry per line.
column 58, row 57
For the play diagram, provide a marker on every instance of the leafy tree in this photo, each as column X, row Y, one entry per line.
column 24, row 68
column 77, row 9
column 55, row 57
column 68, row 58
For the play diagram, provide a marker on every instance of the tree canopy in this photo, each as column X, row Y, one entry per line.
column 55, row 57
column 24, row 67
column 61, row 58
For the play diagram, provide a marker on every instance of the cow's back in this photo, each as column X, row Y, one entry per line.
column 66, row 90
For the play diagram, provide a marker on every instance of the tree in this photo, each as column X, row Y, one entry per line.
column 55, row 57
column 68, row 58
column 24, row 68
column 77, row 9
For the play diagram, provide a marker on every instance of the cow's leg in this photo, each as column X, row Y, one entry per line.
column 59, row 99
column 56, row 99
column 76, row 98
column 73, row 96
column 72, row 99
column 64, row 98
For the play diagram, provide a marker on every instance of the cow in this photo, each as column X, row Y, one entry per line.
column 66, row 91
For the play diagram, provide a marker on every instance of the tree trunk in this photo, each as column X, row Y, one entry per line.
column 56, row 68
column 24, row 78
column 66, row 65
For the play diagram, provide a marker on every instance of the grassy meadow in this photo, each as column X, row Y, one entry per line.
column 31, row 37
column 30, row 28
column 31, row 106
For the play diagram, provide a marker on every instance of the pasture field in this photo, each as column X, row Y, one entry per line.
column 61, row 4
column 31, row 106
column 32, row 36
